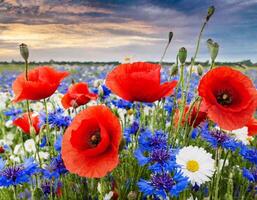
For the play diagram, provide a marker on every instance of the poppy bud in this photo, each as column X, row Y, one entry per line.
column 211, row 11
column 170, row 36
column 24, row 51
column 182, row 55
column 1, row 150
column 200, row 70
column 213, row 48
column 209, row 42
column 132, row 195
column 174, row 70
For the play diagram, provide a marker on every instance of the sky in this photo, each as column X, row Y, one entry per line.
column 110, row 30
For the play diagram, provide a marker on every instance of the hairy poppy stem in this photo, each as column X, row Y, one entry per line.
column 26, row 70
column 47, row 124
column 164, row 53
column 216, row 188
column 166, row 48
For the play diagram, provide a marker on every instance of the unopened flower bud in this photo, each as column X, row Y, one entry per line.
column 211, row 11
column 170, row 36
column 24, row 51
column 200, row 70
column 132, row 195
column 209, row 42
column 174, row 70
column 182, row 55
column 213, row 48
column 2, row 149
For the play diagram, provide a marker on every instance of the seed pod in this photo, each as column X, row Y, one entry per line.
column 209, row 42
column 170, row 36
column 211, row 11
column 200, row 70
column 213, row 48
column 182, row 55
column 24, row 51
column 174, row 70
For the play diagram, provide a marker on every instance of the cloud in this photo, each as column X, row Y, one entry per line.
column 110, row 29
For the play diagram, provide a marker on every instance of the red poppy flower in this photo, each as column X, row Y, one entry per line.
column 42, row 82
column 23, row 123
column 230, row 97
column 91, row 143
column 197, row 116
column 77, row 95
column 139, row 81
column 252, row 127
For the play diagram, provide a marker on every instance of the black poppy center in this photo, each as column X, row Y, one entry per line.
column 95, row 139
column 224, row 98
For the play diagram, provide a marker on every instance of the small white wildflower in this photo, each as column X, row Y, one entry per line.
column 30, row 146
column 108, row 196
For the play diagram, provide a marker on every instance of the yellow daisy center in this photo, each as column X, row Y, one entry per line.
column 192, row 166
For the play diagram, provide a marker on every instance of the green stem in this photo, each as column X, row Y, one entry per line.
column 14, row 192
column 26, row 69
column 47, row 127
column 216, row 189
column 164, row 53
column 183, row 101
column 196, row 52
column 212, row 64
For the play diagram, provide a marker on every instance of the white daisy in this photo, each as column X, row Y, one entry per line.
column 196, row 164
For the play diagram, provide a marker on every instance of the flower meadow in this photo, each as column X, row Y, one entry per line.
column 137, row 130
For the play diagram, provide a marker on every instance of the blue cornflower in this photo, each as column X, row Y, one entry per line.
column 17, row 174
column 129, row 131
column 250, row 175
column 48, row 188
column 43, row 142
column 120, row 103
column 163, row 185
column 58, row 143
column 169, row 104
column 13, row 113
column 159, row 159
column 106, row 91
column 194, row 133
column 56, row 119
column 153, row 151
column 218, row 138
column 148, row 141
column 248, row 153
column 55, row 168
